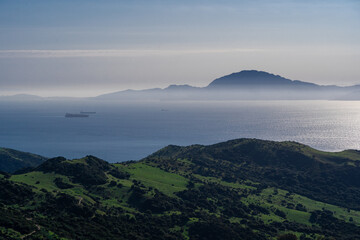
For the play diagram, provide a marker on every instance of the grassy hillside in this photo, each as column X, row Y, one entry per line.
column 221, row 191
column 13, row 160
column 329, row 177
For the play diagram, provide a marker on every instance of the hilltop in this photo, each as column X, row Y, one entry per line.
column 239, row 189
column 12, row 160
column 328, row 177
column 253, row 78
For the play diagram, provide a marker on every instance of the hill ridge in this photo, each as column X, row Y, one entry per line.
column 12, row 160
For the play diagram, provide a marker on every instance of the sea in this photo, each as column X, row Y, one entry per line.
column 121, row 131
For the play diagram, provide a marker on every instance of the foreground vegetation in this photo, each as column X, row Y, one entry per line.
column 241, row 189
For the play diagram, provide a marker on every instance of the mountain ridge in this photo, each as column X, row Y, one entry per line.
column 12, row 160
column 243, row 85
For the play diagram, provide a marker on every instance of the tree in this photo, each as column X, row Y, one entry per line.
column 287, row 236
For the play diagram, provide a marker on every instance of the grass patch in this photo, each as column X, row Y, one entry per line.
column 40, row 180
column 166, row 182
column 282, row 200
column 74, row 161
column 242, row 185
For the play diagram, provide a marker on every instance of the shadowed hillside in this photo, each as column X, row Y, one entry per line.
column 13, row 160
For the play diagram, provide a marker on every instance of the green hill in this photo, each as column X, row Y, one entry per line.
column 329, row 177
column 240, row 189
column 13, row 160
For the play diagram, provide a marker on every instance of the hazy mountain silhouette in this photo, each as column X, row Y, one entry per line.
column 21, row 97
column 244, row 85
column 253, row 78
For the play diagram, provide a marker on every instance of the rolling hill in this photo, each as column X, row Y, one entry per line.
column 12, row 160
column 240, row 189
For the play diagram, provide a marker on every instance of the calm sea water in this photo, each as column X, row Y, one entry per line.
column 121, row 131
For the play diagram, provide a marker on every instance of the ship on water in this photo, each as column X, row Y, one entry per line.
column 76, row 115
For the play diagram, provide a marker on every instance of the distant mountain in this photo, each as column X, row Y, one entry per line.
column 21, row 97
column 239, row 189
column 130, row 94
column 352, row 95
column 244, row 85
column 181, row 88
column 259, row 79
column 13, row 160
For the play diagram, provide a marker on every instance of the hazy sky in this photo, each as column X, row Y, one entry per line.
column 88, row 47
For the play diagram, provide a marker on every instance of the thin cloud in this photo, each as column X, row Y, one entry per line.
column 111, row 53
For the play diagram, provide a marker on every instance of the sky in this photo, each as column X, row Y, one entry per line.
column 88, row 47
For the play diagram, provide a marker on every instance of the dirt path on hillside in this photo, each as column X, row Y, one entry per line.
column 80, row 200
column 29, row 234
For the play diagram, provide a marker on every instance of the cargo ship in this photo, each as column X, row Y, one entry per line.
column 74, row 115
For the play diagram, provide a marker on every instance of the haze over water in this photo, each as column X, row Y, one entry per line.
column 121, row 131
